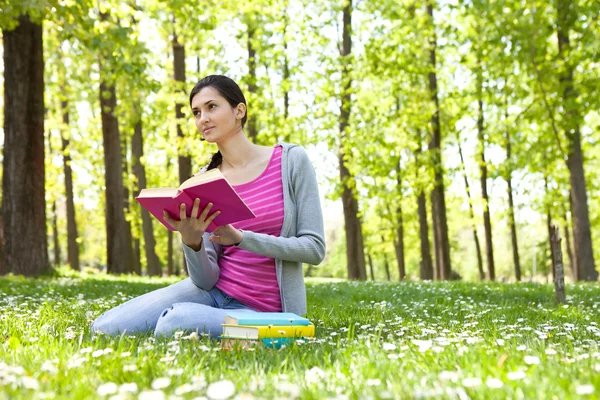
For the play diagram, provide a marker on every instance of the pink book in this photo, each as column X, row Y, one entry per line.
column 210, row 187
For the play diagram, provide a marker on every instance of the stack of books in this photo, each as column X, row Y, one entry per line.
column 244, row 329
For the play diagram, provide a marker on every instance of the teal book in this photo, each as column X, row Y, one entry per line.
column 228, row 342
column 264, row 318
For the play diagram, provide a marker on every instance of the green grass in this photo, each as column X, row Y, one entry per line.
column 374, row 340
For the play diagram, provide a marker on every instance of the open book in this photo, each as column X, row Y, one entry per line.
column 210, row 187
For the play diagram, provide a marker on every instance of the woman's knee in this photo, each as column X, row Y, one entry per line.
column 101, row 325
column 168, row 320
column 176, row 317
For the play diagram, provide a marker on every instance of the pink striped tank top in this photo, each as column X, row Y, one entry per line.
column 245, row 276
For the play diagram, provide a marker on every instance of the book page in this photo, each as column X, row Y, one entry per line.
column 158, row 192
column 208, row 176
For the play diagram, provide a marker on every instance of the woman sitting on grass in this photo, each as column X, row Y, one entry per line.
column 253, row 265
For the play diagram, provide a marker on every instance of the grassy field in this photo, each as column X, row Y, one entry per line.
column 374, row 340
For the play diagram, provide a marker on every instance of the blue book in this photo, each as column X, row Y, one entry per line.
column 228, row 342
column 264, row 318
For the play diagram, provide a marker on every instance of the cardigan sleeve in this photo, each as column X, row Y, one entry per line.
column 308, row 245
column 202, row 265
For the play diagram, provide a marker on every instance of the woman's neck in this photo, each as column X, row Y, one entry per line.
column 237, row 151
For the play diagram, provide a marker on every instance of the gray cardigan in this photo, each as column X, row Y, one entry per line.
column 301, row 239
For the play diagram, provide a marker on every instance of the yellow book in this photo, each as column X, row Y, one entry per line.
column 268, row 331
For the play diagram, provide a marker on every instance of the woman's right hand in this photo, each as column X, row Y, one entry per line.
column 192, row 228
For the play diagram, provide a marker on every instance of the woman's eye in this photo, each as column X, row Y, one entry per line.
column 196, row 113
column 210, row 107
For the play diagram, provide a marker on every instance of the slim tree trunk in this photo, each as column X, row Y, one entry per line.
column 23, row 176
column 126, row 201
column 170, row 271
column 55, row 239
column 252, row 131
column 549, row 228
column 487, row 223
column 582, row 238
column 309, row 270
column 559, row 279
column 513, row 230
column 169, row 240
column 400, row 225
column 511, row 206
column 1, row 242
column 438, row 201
column 184, row 159
column 472, row 214
column 286, row 72
column 286, row 84
column 572, row 263
column 385, row 262
column 371, row 266
column 354, row 238
column 426, row 264
column 118, row 254
column 139, row 170
column 72, row 235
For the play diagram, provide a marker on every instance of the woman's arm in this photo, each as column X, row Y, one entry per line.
column 308, row 245
column 202, row 264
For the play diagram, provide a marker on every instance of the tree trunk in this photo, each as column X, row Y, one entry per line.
column 137, row 263
column 118, row 246
column 286, row 72
column 309, row 270
column 1, row 241
column 566, row 13
column 252, row 131
column 170, row 253
column 426, row 264
column 572, row 263
column 139, row 170
column 513, row 230
column 559, row 280
column 472, row 214
column 354, row 237
column 371, row 266
column 127, row 203
column 184, row 159
column 400, row 227
column 438, row 201
column 55, row 242
column 23, row 205
column 549, row 228
column 72, row 235
column 487, row 223
column 385, row 262
column 511, row 206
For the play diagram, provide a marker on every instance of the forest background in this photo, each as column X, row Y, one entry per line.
column 447, row 136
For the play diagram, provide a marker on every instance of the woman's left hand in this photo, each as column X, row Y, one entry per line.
column 226, row 235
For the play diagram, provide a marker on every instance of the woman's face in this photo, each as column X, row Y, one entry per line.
column 214, row 116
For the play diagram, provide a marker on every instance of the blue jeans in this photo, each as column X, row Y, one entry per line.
column 181, row 306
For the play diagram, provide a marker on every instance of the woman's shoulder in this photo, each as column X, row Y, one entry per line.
column 297, row 157
column 293, row 150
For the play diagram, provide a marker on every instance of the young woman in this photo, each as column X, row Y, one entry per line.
column 253, row 265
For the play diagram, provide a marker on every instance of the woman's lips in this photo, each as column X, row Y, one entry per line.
column 209, row 129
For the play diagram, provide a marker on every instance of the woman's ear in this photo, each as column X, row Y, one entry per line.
column 240, row 111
